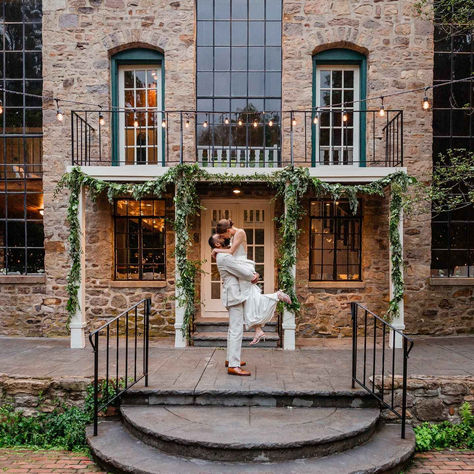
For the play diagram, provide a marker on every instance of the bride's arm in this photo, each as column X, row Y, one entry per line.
column 238, row 239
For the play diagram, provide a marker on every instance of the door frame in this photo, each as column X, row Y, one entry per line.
column 269, row 244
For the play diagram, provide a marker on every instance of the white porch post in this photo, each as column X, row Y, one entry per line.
column 288, row 323
column 399, row 321
column 78, row 321
column 179, row 338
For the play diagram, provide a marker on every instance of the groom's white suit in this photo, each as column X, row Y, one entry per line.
column 236, row 276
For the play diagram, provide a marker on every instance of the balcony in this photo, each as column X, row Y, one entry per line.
column 329, row 137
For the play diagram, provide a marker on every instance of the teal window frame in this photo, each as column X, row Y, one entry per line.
column 341, row 56
column 133, row 57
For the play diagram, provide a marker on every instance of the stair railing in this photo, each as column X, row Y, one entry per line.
column 376, row 355
column 124, row 372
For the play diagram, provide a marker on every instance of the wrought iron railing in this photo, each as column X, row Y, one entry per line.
column 316, row 137
column 377, row 333
column 119, row 379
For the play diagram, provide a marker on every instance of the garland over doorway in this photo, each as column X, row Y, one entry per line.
column 290, row 183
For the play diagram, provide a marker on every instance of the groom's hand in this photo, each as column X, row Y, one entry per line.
column 255, row 278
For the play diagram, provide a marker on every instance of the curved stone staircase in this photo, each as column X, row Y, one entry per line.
column 211, row 432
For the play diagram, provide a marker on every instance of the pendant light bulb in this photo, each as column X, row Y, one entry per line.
column 59, row 114
column 1, row 107
column 255, row 124
column 187, row 123
column 240, row 122
column 293, row 122
column 135, row 122
column 163, row 123
column 205, row 124
column 382, row 109
column 270, row 123
column 345, row 117
column 226, row 121
column 101, row 120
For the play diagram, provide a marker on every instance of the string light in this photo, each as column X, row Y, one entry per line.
column 426, row 102
column 59, row 114
column 187, row 123
column 345, row 117
column 205, row 124
column 163, row 123
column 1, row 107
column 255, row 123
column 316, row 117
column 239, row 123
column 101, row 119
column 226, row 121
column 270, row 123
column 135, row 121
column 382, row 109
column 293, row 122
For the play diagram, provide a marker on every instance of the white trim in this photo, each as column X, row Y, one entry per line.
column 343, row 174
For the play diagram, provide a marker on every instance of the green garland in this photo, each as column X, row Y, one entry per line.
column 291, row 184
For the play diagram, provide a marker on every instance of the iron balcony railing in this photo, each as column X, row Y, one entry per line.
column 329, row 137
column 126, row 363
column 371, row 365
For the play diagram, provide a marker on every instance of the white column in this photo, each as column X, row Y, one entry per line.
column 78, row 321
column 288, row 323
column 179, row 338
column 399, row 321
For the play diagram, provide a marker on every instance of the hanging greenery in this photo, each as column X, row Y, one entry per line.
column 291, row 184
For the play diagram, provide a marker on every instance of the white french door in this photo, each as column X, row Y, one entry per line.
column 256, row 218
column 140, row 117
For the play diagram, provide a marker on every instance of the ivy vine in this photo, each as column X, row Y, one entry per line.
column 291, row 185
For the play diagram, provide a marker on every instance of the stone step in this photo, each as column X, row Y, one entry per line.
column 116, row 450
column 250, row 434
column 219, row 339
column 221, row 325
column 245, row 398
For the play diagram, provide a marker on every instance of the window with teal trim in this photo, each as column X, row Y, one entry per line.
column 137, row 97
column 339, row 78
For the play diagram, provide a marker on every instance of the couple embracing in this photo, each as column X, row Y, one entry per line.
column 240, row 293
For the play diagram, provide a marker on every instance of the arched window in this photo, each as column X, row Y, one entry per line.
column 339, row 79
column 138, row 97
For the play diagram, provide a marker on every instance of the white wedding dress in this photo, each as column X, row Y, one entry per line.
column 258, row 308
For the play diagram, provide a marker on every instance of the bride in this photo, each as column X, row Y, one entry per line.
column 258, row 308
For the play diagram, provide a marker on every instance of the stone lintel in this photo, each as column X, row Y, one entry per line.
column 22, row 279
column 138, row 284
column 336, row 284
column 453, row 281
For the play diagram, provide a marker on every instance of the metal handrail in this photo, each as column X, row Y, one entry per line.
column 94, row 341
column 407, row 345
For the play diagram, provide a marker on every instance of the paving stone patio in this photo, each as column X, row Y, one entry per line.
column 323, row 365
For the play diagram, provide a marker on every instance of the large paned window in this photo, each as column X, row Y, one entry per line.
column 21, row 186
column 339, row 79
column 453, row 127
column 238, row 75
column 140, row 239
column 335, row 241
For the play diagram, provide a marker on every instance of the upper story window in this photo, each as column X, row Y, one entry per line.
column 137, row 90
column 140, row 239
column 238, row 79
column 452, row 244
column 335, row 241
column 339, row 78
column 21, row 184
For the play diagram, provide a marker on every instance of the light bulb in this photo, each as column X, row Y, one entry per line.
column 270, row 123
column 236, row 191
column 239, row 122
column 226, row 121
column 255, row 124
column 187, row 124
column 382, row 111
column 1, row 107
column 205, row 124
column 59, row 115
column 315, row 120
column 344, row 116
column 426, row 103
column 135, row 123
column 101, row 120
column 163, row 123
column 293, row 122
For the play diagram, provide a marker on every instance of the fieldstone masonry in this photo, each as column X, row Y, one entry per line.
column 78, row 38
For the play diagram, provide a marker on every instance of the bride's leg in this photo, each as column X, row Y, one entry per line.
column 258, row 335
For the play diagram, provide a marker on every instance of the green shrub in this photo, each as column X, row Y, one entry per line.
column 64, row 428
column 447, row 434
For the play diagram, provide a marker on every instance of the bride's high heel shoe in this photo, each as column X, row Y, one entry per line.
column 257, row 339
column 282, row 296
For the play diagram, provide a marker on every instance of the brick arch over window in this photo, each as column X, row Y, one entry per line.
column 341, row 45
column 134, row 45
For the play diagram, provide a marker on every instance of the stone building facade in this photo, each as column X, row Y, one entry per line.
column 79, row 40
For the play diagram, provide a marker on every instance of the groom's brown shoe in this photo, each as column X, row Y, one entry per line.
column 237, row 371
column 242, row 363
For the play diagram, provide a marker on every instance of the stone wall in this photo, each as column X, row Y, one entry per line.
column 431, row 398
column 42, row 394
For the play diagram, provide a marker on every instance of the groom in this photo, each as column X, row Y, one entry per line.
column 237, row 280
